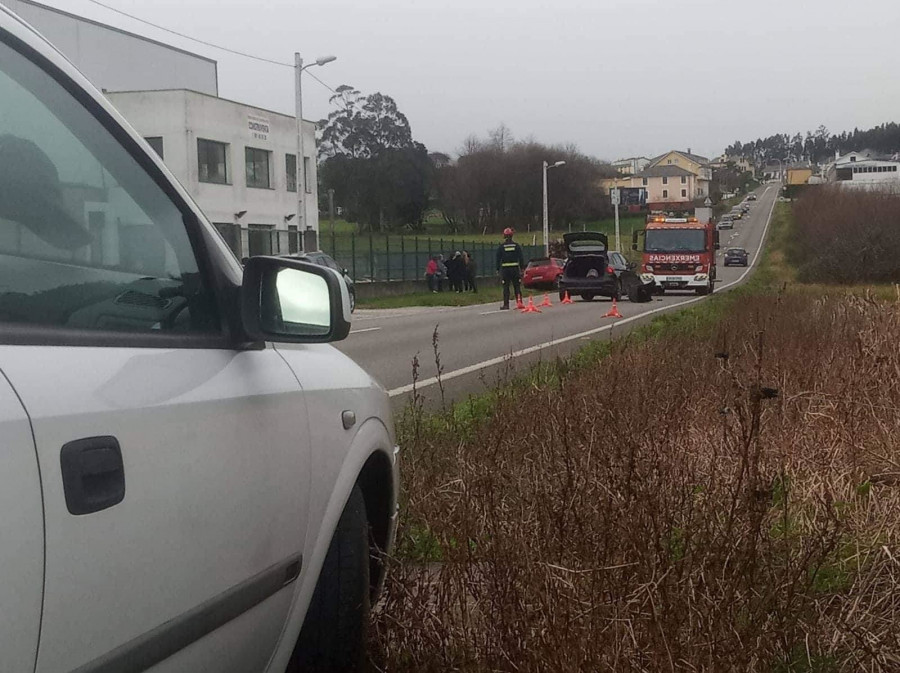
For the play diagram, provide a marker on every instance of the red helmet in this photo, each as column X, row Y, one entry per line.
column 508, row 231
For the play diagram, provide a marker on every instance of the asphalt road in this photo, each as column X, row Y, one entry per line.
column 481, row 345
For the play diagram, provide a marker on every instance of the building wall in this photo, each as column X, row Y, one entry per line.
column 668, row 192
column 114, row 59
column 181, row 118
column 798, row 176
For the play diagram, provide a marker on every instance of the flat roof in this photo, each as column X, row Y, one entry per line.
column 207, row 95
column 117, row 30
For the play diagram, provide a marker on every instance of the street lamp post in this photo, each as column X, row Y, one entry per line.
column 546, row 213
column 301, row 164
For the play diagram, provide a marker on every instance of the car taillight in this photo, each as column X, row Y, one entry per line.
column 610, row 270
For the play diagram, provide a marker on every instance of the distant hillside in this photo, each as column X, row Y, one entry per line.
column 819, row 145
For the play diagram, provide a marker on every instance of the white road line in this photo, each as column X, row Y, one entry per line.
column 456, row 373
column 491, row 312
column 368, row 329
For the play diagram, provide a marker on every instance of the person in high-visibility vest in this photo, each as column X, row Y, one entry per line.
column 510, row 263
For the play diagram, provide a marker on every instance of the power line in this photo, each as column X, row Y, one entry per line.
column 204, row 42
column 189, row 37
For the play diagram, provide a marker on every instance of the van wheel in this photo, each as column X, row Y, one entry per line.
column 587, row 296
column 333, row 637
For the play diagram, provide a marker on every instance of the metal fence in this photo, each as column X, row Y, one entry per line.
column 368, row 257
column 385, row 257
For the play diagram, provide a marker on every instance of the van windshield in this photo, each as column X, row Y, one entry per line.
column 675, row 240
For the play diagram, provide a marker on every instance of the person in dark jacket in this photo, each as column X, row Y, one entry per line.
column 456, row 272
column 471, row 270
column 510, row 263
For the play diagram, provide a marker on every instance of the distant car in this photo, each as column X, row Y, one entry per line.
column 737, row 213
column 591, row 270
column 736, row 257
column 324, row 259
column 543, row 272
column 745, row 208
column 725, row 222
column 752, row 197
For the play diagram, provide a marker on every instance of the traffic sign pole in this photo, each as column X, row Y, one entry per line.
column 614, row 197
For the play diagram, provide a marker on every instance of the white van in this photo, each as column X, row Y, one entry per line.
column 189, row 473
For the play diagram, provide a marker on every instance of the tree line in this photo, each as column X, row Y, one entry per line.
column 818, row 146
column 384, row 180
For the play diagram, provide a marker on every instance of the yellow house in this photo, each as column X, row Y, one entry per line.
column 693, row 163
column 799, row 176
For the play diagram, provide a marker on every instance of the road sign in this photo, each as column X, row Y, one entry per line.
column 614, row 196
column 707, row 203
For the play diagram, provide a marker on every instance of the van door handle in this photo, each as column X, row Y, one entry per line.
column 93, row 474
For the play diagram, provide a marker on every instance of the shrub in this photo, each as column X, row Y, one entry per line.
column 846, row 236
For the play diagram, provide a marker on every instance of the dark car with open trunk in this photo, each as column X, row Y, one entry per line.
column 591, row 270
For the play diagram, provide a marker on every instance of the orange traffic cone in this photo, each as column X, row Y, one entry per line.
column 567, row 299
column 546, row 303
column 519, row 305
column 531, row 308
column 614, row 311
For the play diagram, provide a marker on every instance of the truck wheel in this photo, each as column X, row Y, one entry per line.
column 587, row 296
column 333, row 637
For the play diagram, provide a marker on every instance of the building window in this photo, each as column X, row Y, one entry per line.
column 684, row 179
column 212, row 162
column 156, row 142
column 665, row 181
column 307, row 185
column 853, row 159
column 644, row 181
column 261, row 239
column 257, row 167
column 683, row 193
column 290, row 171
column 665, row 193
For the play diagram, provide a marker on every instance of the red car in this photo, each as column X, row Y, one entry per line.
column 543, row 272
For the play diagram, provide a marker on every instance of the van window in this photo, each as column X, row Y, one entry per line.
column 88, row 240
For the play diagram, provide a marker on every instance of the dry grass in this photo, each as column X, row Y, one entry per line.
column 735, row 507
column 846, row 236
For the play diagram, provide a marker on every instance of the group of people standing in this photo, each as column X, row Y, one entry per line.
column 460, row 272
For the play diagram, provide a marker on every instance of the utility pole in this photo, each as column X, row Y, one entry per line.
column 301, row 177
column 615, row 198
column 331, row 210
column 546, row 167
column 301, row 163
column 546, row 217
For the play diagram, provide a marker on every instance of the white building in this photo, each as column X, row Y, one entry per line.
column 237, row 161
column 864, row 170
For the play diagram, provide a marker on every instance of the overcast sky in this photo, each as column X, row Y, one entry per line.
column 617, row 77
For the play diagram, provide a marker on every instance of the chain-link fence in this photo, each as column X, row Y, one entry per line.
column 369, row 257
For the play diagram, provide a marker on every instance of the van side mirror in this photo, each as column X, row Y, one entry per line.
column 291, row 301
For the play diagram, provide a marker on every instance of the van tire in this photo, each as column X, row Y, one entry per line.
column 334, row 633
